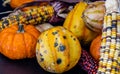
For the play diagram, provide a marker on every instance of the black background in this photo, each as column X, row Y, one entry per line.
column 3, row 9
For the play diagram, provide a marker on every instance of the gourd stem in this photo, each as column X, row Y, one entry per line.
column 20, row 28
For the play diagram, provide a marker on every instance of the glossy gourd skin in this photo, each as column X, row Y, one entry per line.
column 75, row 23
column 57, row 50
column 95, row 48
column 18, row 43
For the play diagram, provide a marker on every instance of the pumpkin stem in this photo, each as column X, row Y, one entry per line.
column 20, row 28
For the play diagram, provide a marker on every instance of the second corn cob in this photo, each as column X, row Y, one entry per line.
column 110, row 45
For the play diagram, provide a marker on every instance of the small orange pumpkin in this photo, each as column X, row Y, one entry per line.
column 19, row 42
column 95, row 48
column 17, row 3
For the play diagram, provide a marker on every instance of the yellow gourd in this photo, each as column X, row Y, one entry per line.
column 74, row 22
column 58, row 50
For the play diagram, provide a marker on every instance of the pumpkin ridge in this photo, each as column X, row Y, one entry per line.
column 4, row 52
column 3, row 42
column 29, row 29
column 13, row 45
column 5, row 37
column 31, row 35
column 9, row 30
column 31, row 44
column 13, row 40
column 25, row 45
column 15, row 27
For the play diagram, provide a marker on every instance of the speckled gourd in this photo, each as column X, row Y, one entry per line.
column 57, row 50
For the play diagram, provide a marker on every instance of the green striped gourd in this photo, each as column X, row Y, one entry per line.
column 93, row 15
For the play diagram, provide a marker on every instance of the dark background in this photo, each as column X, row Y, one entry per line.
column 25, row 66
column 3, row 9
column 28, row 66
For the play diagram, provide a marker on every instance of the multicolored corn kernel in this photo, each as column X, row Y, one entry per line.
column 33, row 16
column 110, row 45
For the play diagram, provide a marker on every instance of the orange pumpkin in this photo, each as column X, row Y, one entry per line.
column 17, row 3
column 19, row 42
column 95, row 47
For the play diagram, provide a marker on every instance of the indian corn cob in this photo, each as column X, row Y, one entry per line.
column 110, row 46
column 88, row 63
column 38, row 14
